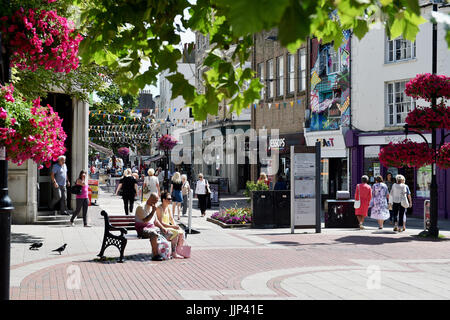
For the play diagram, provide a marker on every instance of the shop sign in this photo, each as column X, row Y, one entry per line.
column 277, row 143
column 326, row 142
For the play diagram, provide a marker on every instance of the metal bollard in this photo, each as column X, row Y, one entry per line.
column 191, row 196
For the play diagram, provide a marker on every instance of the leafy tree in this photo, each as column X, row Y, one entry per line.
column 123, row 34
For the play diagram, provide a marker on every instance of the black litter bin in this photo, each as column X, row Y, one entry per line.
column 262, row 209
column 282, row 205
column 341, row 214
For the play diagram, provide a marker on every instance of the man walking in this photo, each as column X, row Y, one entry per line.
column 59, row 182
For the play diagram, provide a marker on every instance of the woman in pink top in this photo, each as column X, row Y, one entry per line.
column 364, row 194
column 82, row 199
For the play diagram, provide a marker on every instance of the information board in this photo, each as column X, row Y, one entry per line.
column 305, row 187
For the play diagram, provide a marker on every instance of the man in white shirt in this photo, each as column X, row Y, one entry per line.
column 147, row 224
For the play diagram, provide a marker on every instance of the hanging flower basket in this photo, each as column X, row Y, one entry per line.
column 29, row 130
column 443, row 156
column 427, row 86
column 41, row 38
column 123, row 152
column 406, row 153
column 167, row 142
column 427, row 118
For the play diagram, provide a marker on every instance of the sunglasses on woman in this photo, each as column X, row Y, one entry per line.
column 169, row 199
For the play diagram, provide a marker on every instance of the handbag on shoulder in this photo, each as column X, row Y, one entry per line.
column 357, row 203
column 76, row 189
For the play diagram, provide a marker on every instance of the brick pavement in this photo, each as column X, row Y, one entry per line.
column 232, row 264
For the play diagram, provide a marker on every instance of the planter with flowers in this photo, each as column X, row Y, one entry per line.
column 29, row 130
column 232, row 217
column 38, row 38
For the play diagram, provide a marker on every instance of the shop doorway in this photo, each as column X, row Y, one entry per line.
column 62, row 104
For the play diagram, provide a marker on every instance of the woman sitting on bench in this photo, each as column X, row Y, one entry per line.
column 174, row 233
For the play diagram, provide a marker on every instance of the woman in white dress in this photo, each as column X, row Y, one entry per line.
column 151, row 184
column 379, row 202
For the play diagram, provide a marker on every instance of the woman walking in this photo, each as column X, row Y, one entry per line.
column 379, row 202
column 185, row 190
column 175, row 191
column 129, row 190
column 82, row 199
column 389, row 182
column 363, row 193
column 398, row 199
column 201, row 190
column 151, row 184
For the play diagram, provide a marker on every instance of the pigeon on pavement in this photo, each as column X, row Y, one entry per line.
column 61, row 249
column 36, row 246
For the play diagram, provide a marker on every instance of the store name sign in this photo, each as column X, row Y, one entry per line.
column 326, row 142
column 277, row 143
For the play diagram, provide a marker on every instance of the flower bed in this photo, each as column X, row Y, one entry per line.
column 233, row 216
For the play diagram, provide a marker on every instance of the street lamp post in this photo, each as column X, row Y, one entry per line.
column 433, row 230
column 5, row 201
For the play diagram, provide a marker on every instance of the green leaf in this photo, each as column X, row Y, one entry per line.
column 181, row 87
column 360, row 29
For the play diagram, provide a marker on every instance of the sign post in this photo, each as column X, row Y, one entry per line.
column 305, row 187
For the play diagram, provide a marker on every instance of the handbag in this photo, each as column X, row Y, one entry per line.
column 357, row 203
column 164, row 248
column 76, row 189
column 184, row 250
column 208, row 190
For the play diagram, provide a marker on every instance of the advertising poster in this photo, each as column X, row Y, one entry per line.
column 93, row 184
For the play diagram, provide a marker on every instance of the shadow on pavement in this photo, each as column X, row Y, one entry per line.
column 24, row 238
column 143, row 257
column 369, row 240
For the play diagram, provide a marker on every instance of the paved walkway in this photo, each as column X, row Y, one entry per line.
column 232, row 264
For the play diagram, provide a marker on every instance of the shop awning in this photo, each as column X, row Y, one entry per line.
column 101, row 149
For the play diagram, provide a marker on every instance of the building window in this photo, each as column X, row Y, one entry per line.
column 398, row 103
column 280, row 76
column 400, row 49
column 270, row 79
column 261, row 78
column 302, row 69
column 291, row 73
column 333, row 65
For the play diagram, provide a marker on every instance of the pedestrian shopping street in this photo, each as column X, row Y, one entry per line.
column 232, row 263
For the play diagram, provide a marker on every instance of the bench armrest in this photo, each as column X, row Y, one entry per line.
column 109, row 227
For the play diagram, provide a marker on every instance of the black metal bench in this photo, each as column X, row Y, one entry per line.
column 122, row 224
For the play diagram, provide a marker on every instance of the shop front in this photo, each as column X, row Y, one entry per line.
column 334, row 161
column 365, row 149
column 279, row 162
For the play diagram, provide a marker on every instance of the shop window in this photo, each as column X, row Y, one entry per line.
column 371, row 163
column 423, row 182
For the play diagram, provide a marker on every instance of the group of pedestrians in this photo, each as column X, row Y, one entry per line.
column 388, row 200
